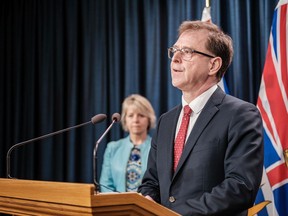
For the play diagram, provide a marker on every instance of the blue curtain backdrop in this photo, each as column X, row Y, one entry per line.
column 62, row 62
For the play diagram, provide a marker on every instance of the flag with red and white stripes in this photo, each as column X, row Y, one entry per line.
column 273, row 105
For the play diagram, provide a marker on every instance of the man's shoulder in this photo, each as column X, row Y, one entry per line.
column 235, row 101
column 172, row 111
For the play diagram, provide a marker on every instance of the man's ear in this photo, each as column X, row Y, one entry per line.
column 215, row 65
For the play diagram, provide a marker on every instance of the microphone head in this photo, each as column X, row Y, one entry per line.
column 116, row 117
column 98, row 118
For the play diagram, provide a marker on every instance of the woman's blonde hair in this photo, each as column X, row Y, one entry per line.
column 141, row 104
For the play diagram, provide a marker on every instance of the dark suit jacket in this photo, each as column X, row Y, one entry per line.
column 220, row 169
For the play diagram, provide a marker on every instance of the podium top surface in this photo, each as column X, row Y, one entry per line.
column 80, row 195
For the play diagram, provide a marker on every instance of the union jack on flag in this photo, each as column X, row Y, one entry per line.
column 273, row 105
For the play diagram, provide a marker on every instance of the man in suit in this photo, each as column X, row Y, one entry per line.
column 220, row 168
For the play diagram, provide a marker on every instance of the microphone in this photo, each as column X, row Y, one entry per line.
column 95, row 119
column 115, row 118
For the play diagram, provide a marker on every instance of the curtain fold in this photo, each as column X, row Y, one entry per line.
column 62, row 62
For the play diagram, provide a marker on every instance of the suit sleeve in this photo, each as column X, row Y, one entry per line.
column 150, row 182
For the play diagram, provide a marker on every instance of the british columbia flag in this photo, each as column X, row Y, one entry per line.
column 273, row 105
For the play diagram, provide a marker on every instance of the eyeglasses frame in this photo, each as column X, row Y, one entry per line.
column 192, row 51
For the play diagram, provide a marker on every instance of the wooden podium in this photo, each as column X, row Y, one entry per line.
column 26, row 197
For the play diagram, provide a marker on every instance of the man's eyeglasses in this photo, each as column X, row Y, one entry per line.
column 186, row 53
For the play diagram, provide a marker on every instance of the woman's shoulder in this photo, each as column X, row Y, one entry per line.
column 118, row 143
column 148, row 139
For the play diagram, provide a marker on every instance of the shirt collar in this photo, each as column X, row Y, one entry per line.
column 199, row 102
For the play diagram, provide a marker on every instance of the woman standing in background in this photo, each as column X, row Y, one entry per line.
column 125, row 160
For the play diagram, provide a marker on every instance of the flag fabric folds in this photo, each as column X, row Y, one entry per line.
column 273, row 105
column 206, row 14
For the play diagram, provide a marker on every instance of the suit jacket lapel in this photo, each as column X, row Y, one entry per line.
column 171, row 134
column 209, row 110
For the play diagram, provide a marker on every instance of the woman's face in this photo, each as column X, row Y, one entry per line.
column 136, row 122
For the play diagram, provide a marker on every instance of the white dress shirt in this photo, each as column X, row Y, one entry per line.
column 196, row 105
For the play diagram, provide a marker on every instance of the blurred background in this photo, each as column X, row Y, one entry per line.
column 62, row 62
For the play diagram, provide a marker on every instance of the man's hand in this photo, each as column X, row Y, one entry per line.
column 149, row 198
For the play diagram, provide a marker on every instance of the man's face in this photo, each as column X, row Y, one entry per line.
column 190, row 75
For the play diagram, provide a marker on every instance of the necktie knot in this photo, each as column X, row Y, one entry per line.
column 187, row 110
